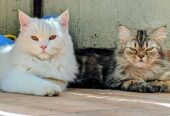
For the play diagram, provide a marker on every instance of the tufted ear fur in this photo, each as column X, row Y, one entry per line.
column 24, row 20
column 159, row 34
column 64, row 19
column 124, row 34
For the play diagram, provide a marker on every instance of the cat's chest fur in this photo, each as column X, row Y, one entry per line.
column 45, row 68
column 54, row 68
column 144, row 74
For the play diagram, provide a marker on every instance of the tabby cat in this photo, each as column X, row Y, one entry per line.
column 141, row 61
column 94, row 65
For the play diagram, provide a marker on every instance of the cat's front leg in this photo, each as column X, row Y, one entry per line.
column 19, row 82
column 142, row 86
column 136, row 85
column 61, row 74
column 61, row 84
column 164, row 85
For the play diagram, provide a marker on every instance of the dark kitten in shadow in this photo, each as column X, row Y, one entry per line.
column 94, row 65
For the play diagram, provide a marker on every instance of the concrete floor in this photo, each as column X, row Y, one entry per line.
column 86, row 102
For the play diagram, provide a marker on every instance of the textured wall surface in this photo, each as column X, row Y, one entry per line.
column 9, row 14
column 93, row 23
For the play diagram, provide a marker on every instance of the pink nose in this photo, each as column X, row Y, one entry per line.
column 43, row 47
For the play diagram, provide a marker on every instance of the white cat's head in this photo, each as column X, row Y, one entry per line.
column 44, row 38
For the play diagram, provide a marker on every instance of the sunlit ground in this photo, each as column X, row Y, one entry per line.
column 126, row 100
column 3, row 113
column 86, row 102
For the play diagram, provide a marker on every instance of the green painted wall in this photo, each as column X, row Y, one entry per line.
column 93, row 23
column 9, row 14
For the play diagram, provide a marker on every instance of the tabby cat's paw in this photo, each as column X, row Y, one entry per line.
column 48, row 89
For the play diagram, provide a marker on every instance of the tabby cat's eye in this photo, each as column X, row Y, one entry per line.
column 132, row 49
column 35, row 38
column 52, row 37
column 149, row 49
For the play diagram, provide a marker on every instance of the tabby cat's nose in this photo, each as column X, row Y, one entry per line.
column 140, row 56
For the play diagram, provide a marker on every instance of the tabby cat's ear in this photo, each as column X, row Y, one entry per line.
column 159, row 34
column 124, row 34
column 24, row 20
column 64, row 19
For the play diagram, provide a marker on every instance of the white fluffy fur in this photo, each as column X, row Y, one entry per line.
column 25, row 70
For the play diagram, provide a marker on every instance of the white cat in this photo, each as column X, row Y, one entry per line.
column 42, row 61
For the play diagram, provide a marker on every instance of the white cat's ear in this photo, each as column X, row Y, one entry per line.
column 124, row 34
column 64, row 19
column 24, row 20
column 159, row 34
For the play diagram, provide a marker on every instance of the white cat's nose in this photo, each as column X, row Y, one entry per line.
column 43, row 47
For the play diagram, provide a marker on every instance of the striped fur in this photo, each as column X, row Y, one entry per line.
column 141, row 37
column 94, row 65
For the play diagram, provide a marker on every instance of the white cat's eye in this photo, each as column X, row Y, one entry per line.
column 35, row 38
column 52, row 37
column 149, row 49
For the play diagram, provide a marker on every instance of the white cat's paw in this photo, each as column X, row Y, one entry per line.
column 48, row 89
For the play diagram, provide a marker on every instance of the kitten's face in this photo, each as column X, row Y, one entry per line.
column 142, row 49
column 44, row 38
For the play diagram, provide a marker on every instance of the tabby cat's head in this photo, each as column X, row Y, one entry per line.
column 141, row 48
